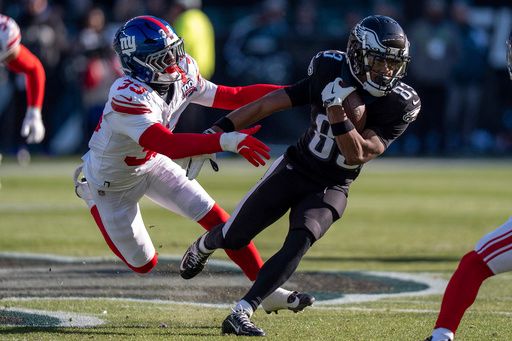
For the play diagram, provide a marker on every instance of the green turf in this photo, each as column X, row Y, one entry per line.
column 403, row 215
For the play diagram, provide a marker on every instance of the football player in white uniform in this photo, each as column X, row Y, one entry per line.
column 492, row 255
column 17, row 58
column 133, row 149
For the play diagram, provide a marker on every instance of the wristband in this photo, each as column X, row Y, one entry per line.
column 225, row 124
column 341, row 128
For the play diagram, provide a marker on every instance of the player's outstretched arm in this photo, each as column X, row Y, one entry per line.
column 241, row 118
column 159, row 139
column 23, row 61
column 230, row 98
column 255, row 111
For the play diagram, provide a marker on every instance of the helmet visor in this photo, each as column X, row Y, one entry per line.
column 168, row 62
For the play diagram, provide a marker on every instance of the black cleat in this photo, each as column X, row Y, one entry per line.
column 193, row 260
column 296, row 302
column 238, row 323
column 428, row 338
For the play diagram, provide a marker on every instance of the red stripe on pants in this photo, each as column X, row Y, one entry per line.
column 142, row 269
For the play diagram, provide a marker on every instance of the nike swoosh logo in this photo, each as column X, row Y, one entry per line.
column 236, row 328
column 129, row 99
column 332, row 89
column 414, row 102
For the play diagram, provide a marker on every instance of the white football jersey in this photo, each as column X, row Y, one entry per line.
column 115, row 159
column 10, row 36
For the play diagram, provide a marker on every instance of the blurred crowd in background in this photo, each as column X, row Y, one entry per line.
column 458, row 64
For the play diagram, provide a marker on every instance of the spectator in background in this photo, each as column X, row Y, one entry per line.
column 101, row 68
column 433, row 51
column 194, row 26
column 255, row 50
column 45, row 34
column 465, row 83
column 17, row 58
column 388, row 8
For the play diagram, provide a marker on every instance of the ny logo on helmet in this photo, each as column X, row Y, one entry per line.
column 128, row 44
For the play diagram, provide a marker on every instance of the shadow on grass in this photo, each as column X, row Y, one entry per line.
column 120, row 331
column 397, row 260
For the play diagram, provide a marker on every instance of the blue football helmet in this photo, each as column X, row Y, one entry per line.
column 150, row 50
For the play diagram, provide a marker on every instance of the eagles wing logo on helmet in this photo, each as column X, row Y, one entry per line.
column 128, row 45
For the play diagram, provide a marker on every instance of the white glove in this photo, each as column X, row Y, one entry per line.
column 195, row 163
column 229, row 142
column 32, row 127
column 82, row 189
column 334, row 93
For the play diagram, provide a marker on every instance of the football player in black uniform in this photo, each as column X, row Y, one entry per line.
column 312, row 178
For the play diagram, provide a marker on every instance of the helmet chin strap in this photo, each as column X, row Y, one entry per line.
column 372, row 90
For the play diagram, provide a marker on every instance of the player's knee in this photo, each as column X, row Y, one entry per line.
column 474, row 262
column 146, row 268
column 302, row 239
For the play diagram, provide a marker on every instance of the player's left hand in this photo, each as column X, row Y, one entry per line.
column 195, row 163
column 32, row 127
column 335, row 93
column 252, row 149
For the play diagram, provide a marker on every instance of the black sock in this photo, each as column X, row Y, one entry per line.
column 214, row 239
column 279, row 268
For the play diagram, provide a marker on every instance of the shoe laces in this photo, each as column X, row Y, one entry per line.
column 243, row 318
column 198, row 256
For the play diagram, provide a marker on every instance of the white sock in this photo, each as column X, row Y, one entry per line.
column 442, row 334
column 245, row 306
column 278, row 298
column 279, row 293
column 202, row 247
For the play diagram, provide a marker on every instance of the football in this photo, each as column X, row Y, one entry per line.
column 356, row 110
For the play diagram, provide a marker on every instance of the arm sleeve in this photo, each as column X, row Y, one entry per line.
column 299, row 92
column 159, row 139
column 231, row 98
column 28, row 64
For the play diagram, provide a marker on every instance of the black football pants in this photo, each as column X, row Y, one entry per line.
column 313, row 209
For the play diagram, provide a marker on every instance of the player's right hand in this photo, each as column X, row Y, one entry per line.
column 252, row 149
column 32, row 127
column 335, row 93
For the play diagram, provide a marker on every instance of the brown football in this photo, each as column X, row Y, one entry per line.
column 356, row 110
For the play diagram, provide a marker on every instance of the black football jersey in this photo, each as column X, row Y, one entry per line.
column 316, row 153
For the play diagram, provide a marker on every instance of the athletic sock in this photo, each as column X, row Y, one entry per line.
column 245, row 306
column 462, row 290
column 279, row 268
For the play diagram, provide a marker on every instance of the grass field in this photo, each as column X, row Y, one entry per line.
column 403, row 216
